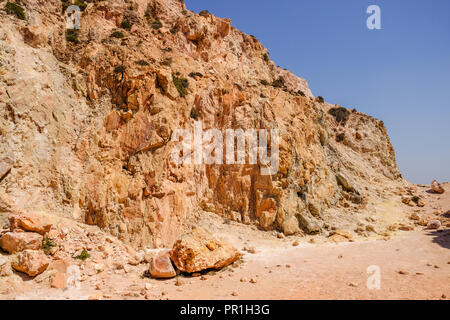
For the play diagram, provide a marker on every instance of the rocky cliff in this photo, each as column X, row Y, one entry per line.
column 88, row 116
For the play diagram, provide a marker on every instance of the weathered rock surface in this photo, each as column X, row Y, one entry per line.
column 31, row 262
column 198, row 250
column 18, row 241
column 89, row 124
column 28, row 223
column 160, row 266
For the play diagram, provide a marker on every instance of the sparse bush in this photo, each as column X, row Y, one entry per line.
column 194, row 114
column 278, row 83
column 119, row 69
column 167, row 62
column 83, row 255
column 156, row 24
column 126, row 24
column 181, row 84
column 142, row 63
column 195, row 74
column 239, row 87
column 80, row 3
column 340, row 137
column 300, row 92
column 72, row 35
column 174, row 30
column 266, row 57
column 47, row 245
column 320, row 99
column 15, row 9
column 204, row 13
column 264, row 82
column 340, row 114
column 117, row 34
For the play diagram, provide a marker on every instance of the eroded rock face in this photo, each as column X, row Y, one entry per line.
column 198, row 250
column 160, row 266
column 31, row 262
column 18, row 241
column 89, row 125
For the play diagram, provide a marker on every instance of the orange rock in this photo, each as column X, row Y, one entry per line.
column 28, row 223
column 194, row 252
column 436, row 187
column 31, row 262
column 161, row 266
column 59, row 280
column 18, row 241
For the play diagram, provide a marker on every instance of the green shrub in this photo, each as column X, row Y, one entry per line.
column 119, row 69
column 340, row 114
column 181, row 84
column 80, row 3
column 18, row 11
column 156, row 24
column 266, row 57
column 320, row 99
column 72, row 35
column 174, row 30
column 83, row 255
column 194, row 114
column 117, row 34
column 142, row 63
column 195, row 74
column 300, row 92
column 264, row 82
column 47, row 245
column 278, row 83
column 126, row 24
column 204, row 13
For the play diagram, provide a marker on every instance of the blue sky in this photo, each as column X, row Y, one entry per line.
column 399, row 74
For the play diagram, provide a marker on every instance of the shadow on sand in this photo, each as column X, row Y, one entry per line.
column 441, row 237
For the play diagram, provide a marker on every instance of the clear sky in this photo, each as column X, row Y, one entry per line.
column 399, row 74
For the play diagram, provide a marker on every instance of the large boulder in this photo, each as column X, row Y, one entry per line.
column 28, row 223
column 18, row 241
column 198, row 250
column 436, row 187
column 161, row 267
column 31, row 262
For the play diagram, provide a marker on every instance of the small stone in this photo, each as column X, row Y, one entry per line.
column 436, row 187
column 253, row 280
column 434, row 224
column 403, row 272
column 203, row 278
column 340, row 256
column 353, row 284
column 234, row 294
column 295, row 243
column 96, row 296
column 161, row 266
column 288, row 266
column 243, row 280
column 179, row 282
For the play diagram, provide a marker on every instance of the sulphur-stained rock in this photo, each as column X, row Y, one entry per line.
column 31, row 262
column 161, row 267
column 29, row 223
column 18, row 241
column 199, row 250
column 436, row 187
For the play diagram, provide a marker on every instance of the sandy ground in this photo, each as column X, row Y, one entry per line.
column 411, row 265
